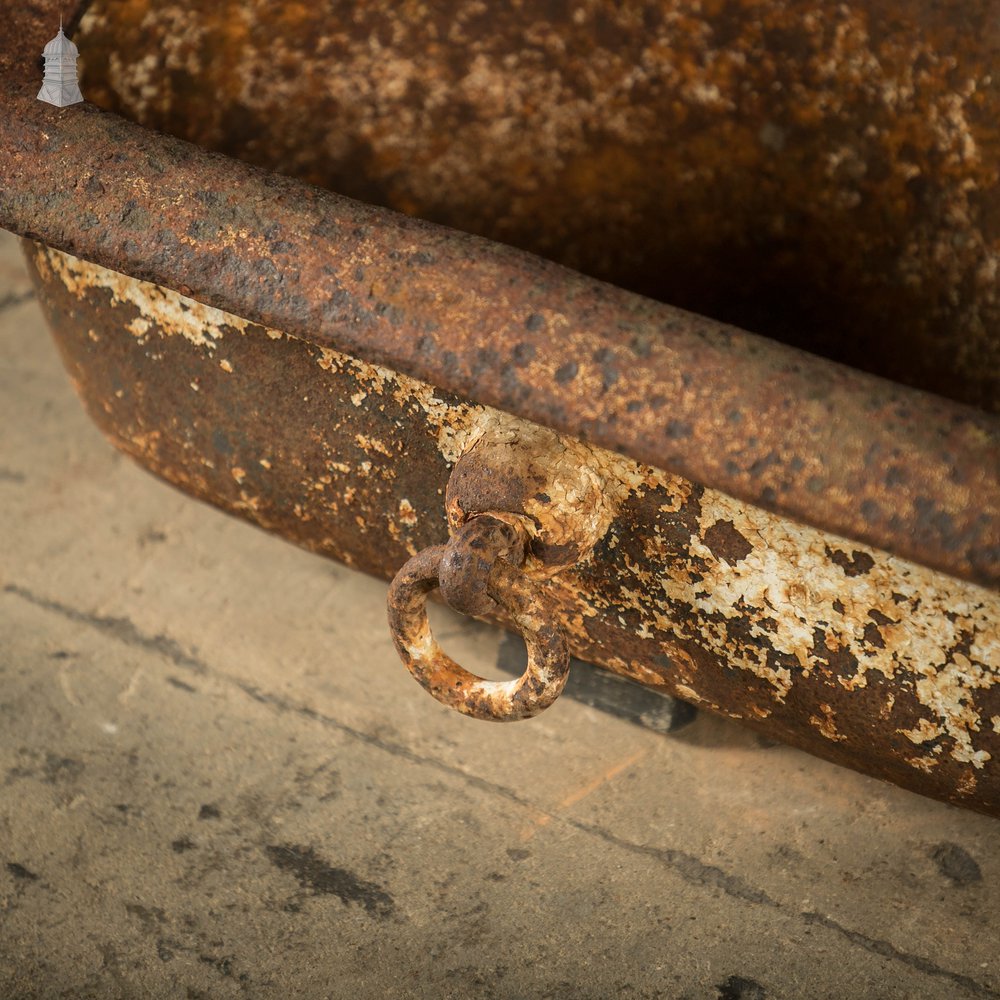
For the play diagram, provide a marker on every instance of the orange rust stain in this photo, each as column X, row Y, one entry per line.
column 582, row 792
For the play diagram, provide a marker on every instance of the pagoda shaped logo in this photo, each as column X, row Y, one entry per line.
column 60, row 86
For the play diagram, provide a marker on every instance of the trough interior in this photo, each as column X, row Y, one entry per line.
column 823, row 174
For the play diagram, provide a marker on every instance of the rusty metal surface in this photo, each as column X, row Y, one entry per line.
column 466, row 566
column 824, row 173
column 476, row 566
column 797, row 435
column 862, row 658
column 908, row 472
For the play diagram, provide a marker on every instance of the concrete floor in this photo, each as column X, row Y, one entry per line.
column 218, row 781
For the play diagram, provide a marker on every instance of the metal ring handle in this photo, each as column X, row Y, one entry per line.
column 499, row 701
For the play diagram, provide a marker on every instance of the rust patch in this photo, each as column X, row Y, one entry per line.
column 726, row 542
column 854, row 564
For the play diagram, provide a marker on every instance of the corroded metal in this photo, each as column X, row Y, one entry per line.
column 819, row 171
column 826, row 643
column 852, row 454
column 520, row 495
column 465, row 569
column 478, row 561
column 400, row 347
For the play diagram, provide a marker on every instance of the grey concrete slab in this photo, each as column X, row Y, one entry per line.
column 216, row 780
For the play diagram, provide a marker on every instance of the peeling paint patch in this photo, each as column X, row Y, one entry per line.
column 169, row 312
column 827, row 724
column 407, row 515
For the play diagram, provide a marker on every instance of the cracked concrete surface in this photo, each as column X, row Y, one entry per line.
column 217, row 780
